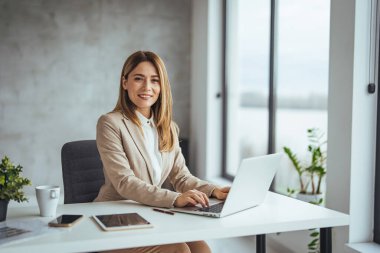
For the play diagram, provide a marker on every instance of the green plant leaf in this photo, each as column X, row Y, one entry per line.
column 314, row 234
column 297, row 165
column 310, row 175
column 313, row 242
column 11, row 181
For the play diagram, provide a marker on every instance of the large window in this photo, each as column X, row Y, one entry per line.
column 302, row 76
column 299, row 76
column 247, row 79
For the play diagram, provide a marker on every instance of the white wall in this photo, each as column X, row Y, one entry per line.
column 198, row 112
column 363, row 132
column 206, row 81
column 352, row 115
column 339, row 112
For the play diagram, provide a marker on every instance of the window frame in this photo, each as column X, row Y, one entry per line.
column 376, row 73
column 376, row 218
column 271, row 86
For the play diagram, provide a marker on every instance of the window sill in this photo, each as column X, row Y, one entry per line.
column 368, row 247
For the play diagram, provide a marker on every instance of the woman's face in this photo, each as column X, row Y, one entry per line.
column 143, row 86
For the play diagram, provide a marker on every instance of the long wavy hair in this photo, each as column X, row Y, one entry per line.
column 162, row 109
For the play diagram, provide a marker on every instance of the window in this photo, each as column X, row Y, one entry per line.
column 300, row 77
column 248, row 40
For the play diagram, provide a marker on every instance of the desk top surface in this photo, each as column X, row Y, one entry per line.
column 277, row 214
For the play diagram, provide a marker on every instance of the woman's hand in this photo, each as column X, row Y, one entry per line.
column 191, row 198
column 220, row 193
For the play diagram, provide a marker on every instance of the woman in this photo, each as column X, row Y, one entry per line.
column 138, row 145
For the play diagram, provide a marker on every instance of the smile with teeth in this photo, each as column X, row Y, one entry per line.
column 145, row 96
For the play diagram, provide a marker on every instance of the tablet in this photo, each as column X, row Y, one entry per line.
column 123, row 221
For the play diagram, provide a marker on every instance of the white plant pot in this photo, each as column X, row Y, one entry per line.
column 311, row 198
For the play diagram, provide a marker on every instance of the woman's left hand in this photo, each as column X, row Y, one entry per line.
column 220, row 193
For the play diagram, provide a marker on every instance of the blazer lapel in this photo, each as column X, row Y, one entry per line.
column 138, row 139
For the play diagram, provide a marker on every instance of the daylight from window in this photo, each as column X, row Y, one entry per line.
column 301, row 77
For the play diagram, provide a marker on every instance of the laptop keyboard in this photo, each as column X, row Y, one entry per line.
column 217, row 208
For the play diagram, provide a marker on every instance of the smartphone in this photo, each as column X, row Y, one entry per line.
column 65, row 220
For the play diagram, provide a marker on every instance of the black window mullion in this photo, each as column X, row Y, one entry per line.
column 272, row 107
column 272, row 84
column 224, row 95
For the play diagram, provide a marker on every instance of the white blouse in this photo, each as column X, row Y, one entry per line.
column 151, row 144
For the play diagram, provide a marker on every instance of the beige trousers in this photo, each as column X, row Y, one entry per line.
column 188, row 247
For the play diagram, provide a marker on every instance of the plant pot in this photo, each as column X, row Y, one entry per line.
column 310, row 198
column 3, row 209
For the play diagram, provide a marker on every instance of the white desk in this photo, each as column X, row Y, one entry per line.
column 277, row 214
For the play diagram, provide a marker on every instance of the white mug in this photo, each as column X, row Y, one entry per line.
column 47, row 198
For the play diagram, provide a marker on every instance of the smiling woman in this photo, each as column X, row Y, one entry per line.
column 139, row 147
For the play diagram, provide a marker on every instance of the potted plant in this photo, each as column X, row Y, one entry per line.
column 310, row 173
column 11, row 184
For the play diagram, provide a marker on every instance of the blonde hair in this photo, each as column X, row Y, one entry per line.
column 162, row 109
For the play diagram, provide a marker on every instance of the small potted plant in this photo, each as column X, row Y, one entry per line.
column 11, row 185
column 310, row 173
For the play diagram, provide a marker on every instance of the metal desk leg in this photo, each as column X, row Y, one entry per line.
column 325, row 240
column 260, row 244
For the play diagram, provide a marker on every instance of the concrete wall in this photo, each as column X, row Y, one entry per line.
column 60, row 64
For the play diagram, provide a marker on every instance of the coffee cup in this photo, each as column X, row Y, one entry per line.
column 47, row 199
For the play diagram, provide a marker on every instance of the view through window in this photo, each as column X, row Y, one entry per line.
column 301, row 79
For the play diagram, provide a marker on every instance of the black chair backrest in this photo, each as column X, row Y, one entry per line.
column 82, row 171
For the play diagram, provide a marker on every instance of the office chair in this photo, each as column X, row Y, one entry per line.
column 82, row 171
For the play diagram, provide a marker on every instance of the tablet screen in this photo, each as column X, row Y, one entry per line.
column 122, row 221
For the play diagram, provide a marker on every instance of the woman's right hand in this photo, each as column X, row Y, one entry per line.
column 191, row 198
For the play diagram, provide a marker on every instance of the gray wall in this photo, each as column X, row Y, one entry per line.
column 60, row 63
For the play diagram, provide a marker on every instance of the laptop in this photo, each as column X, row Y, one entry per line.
column 248, row 189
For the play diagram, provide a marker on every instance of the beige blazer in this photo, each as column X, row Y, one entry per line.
column 128, row 170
